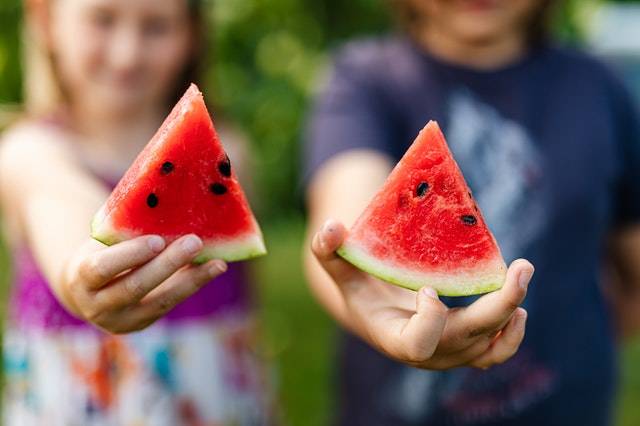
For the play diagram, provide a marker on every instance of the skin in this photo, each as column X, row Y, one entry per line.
column 116, row 60
column 623, row 288
column 482, row 34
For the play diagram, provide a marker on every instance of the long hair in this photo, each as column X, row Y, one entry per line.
column 43, row 92
column 410, row 20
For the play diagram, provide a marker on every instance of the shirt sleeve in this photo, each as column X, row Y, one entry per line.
column 628, row 134
column 348, row 113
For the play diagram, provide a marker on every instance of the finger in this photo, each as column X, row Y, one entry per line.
column 134, row 286
column 507, row 344
column 178, row 287
column 444, row 361
column 103, row 265
column 324, row 246
column 492, row 311
column 474, row 348
column 422, row 332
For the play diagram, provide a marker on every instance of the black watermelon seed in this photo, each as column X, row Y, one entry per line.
column 217, row 188
column 225, row 167
column 167, row 167
column 152, row 200
column 468, row 219
column 470, row 196
column 422, row 189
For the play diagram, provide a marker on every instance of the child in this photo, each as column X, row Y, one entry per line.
column 104, row 77
column 549, row 142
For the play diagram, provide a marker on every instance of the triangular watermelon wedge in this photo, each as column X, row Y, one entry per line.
column 424, row 227
column 181, row 183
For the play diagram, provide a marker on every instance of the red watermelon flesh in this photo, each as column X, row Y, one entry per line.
column 181, row 183
column 424, row 227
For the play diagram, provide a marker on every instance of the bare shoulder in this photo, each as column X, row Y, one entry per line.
column 29, row 141
column 29, row 154
column 33, row 157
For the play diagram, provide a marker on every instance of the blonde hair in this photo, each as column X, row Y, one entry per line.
column 43, row 92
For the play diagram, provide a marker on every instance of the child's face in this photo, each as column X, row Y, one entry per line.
column 478, row 21
column 117, row 56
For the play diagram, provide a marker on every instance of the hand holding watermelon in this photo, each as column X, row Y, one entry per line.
column 128, row 286
column 182, row 189
column 423, row 231
column 417, row 328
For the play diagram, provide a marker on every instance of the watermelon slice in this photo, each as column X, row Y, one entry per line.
column 424, row 227
column 181, row 183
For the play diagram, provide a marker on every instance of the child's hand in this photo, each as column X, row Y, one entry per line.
column 128, row 286
column 417, row 328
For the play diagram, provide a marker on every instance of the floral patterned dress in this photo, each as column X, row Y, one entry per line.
column 193, row 367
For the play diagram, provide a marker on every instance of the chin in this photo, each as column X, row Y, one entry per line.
column 478, row 33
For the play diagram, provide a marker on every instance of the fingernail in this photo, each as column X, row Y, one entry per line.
column 156, row 243
column 430, row 292
column 218, row 267
column 522, row 319
column 192, row 244
column 328, row 227
column 524, row 278
column 324, row 242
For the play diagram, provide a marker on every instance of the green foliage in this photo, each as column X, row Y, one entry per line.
column 298, row 337
column 10, row 71
column 269, row 54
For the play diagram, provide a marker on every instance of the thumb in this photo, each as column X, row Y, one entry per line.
column 324, row 246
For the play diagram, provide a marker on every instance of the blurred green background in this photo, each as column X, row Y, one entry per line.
column 268, row 57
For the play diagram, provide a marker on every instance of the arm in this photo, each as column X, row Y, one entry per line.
column 49, row 198
column 624, row 289
column 624, row 242
column 414, row 328
column 365, row 171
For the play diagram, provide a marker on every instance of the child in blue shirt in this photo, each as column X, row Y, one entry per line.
column 549, row 142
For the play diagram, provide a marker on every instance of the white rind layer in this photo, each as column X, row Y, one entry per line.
column 489, row 277
column 242, row 247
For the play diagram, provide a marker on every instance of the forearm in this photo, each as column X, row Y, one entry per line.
column 623, row 285
column 50, row 205
column 623, row 291
column 57, row 241
column 324, row 289
column 330, row 197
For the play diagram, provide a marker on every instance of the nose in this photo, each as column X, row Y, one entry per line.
column 125, row 50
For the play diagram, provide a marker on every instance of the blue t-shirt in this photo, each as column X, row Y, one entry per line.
column 550, row 146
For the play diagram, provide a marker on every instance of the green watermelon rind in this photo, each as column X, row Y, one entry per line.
column 483, row 280
column 248, row 246
column 105, row 236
